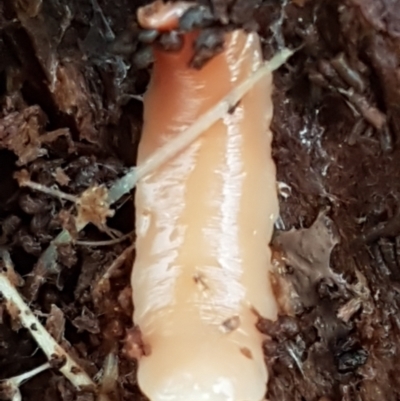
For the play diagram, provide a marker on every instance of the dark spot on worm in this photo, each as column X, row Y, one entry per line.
column 233, row 108
column 195, row 18
column 201, row 281
column 148, row 36
column 171, row 41
column 255, row 312
column 246, row 352
column 33, row 327
column 75, row 370
column 231, row 324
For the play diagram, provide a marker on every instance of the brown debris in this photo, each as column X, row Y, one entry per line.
column 23, row 133
column 93, row 207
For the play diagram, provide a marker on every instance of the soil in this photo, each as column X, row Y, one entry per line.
column 71, row 76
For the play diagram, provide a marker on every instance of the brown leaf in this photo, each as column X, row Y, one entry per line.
column 307, row 251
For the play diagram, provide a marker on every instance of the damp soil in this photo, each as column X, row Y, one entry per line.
column 72, row 74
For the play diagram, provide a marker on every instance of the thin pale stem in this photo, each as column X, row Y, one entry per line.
column 116, row 264
column 109, row 242
column 50, row 191
column 20, row 379
column 70, row 369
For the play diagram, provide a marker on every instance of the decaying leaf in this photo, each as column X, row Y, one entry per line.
column 22, row 132
column 307, row 252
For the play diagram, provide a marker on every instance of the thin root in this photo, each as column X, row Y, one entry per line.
column 110, row 242
column 116, row 264
column 24, row 181
column 10, row 387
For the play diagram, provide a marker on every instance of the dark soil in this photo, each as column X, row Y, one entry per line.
column 71, row 76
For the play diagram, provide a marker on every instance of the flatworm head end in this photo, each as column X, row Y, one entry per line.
column 162, row 16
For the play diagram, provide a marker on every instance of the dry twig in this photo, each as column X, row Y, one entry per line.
column 54, row 352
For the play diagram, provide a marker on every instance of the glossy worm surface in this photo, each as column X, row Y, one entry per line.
column 203, row 224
